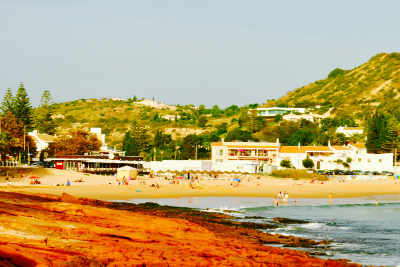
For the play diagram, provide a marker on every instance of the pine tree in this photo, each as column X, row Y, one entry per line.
column 22, row 108
column 46, row 99
column 379, row 136
column 7, row 105
column 137, row 140
column 43, row 117
column 127, row 144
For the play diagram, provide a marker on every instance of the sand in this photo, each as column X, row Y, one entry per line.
column 106, row 187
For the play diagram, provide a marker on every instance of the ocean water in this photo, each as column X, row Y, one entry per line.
column 359, row 230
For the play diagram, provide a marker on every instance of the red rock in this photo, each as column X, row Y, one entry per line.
column 66, row 231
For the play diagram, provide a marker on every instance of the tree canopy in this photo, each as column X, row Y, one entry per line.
column 76, row 142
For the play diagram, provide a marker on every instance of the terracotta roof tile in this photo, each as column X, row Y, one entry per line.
column 359, row 146
column 252, row 146
column 340, row 148
column 304, row 149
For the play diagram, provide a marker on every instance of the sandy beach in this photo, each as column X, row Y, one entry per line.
column 106, row 188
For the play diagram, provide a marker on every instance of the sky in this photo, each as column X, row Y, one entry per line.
column 187, row 51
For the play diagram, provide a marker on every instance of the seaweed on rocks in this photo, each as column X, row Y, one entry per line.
column 289, row 221
column 46, row 230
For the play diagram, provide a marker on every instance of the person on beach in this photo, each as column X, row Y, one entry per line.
column 276, row 202
column 285, row 197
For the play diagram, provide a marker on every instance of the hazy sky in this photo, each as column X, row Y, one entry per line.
column 189, row 52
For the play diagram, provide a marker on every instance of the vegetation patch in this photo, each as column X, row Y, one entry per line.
column 298, row 174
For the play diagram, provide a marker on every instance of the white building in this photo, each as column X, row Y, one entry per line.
column 42, row 141
column 104, row 149
column 269, row 156
column 272, row 112
column 171, row 117
column 298, row 117
column 349, row 131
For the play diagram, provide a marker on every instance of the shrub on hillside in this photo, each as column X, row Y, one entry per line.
column 336, row 72
column 297, row 174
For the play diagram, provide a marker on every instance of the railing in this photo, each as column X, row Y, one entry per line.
column 13, row 164
column 248, row 158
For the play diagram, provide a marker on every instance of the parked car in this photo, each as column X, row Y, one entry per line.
column 36, row 164
column 44, row 164
column 348, row 172
column 338, row 172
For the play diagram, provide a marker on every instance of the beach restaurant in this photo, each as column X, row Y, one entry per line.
column 96, row 164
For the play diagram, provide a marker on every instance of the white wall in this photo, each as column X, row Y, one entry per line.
column 360, row 161
column 202, row 165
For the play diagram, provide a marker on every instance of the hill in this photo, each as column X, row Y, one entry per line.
column 356, row 91
column 115, row 116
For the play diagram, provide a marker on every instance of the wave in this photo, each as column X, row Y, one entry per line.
column 340, row 205
column 349, row 205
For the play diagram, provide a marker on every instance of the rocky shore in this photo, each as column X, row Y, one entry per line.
column 46, row 230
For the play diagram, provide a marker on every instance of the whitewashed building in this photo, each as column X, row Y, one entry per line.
column 42, row 141
column 298, row 117
column 268, row 156
column 349, row 131
column 273, row 111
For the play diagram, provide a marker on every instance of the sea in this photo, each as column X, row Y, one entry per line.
column 364, row 230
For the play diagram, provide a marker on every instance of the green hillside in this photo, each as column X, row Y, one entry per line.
column 115, row 117
column 356, row 91
column 350, row 95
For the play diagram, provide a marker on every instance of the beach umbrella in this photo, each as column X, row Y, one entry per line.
column 236, row 180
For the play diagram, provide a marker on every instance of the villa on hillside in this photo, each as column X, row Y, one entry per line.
column 272, row 112
column 298, row 117
column 350, row 131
